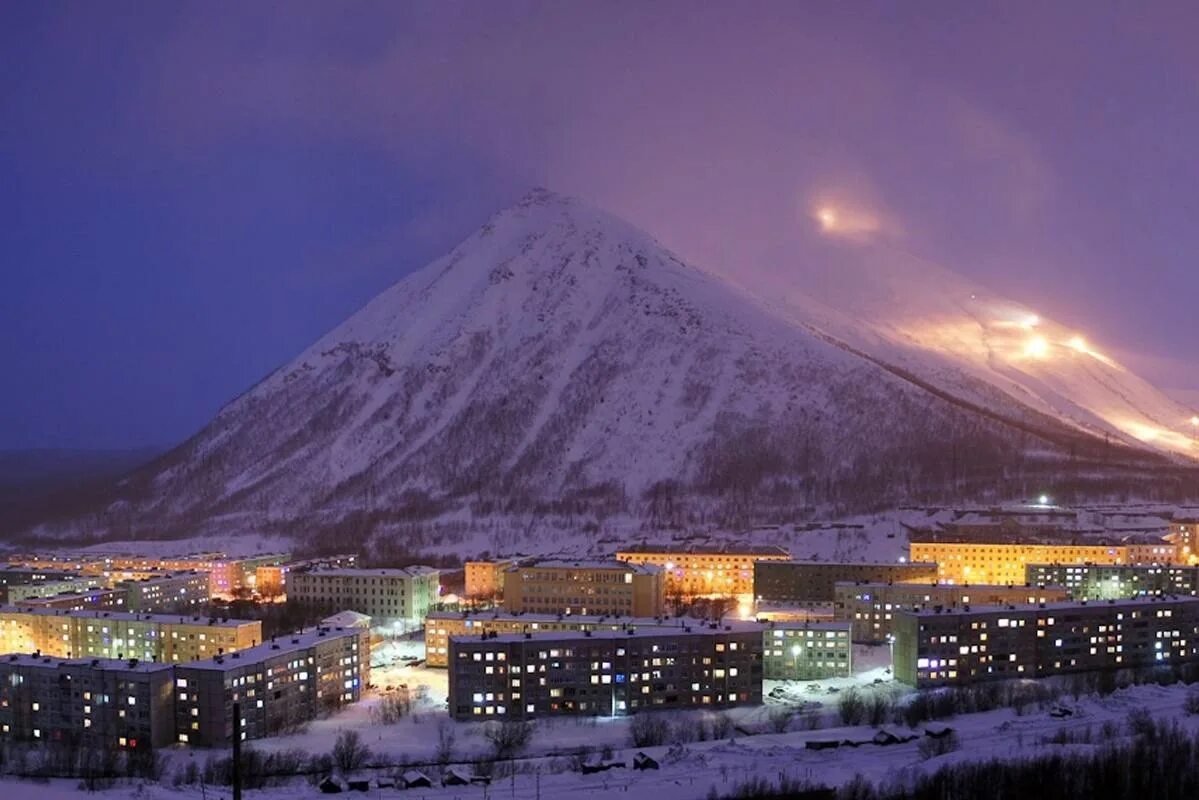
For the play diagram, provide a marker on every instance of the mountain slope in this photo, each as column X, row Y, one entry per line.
column 562, row 362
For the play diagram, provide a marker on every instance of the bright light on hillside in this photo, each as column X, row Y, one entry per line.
column 1037, row 347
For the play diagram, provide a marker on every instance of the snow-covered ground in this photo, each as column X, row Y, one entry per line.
column 692, row 770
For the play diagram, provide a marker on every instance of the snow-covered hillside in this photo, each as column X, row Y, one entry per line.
column 561, row 362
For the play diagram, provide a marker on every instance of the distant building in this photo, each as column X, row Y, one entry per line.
column 232, row 575
column 695, row 571
column 814, row 581
column 999, row 562
column 18, row 582
column 585, row 587
column 1117, row 581
column 605, row 673
column 871, row 608
column 389, row 596
column 804, row 651
column 20, row 593
column 279, row 685
column 122, row 635
column 89, row 599
column 98, row 704
column 961, row 646
column 485, row 579
column 270, row 580
column 178, row 592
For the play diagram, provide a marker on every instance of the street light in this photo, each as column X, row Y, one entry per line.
column 795, row 660
column 891, row 646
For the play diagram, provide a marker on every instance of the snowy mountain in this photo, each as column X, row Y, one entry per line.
column 561, row 363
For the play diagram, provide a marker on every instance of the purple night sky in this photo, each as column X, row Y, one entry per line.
column 192, row 193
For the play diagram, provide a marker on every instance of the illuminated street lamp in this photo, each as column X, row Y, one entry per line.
column 795, row 660
column 891, row 646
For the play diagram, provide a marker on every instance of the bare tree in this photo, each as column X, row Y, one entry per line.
column 349, row 753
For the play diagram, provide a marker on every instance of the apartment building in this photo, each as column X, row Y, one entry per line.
column 804, row 651
column 485, row 579
column 86, row 600
column 441, row 626
column 604, row 673
column 278, row 685
column 270, row 580
column 964, row 645
column 229, row 576
column 585, row 587
column 695, row 571
column 1184, row 532
column 98, row 704
column 399, row 597
column 122, row 635
column 1117, row 581
column 19, row 593
column 18, row 582
column 814, row 581
column 871, row 608
column 1005, row 562
column 179, row 592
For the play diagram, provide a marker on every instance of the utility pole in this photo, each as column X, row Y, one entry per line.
column 237, row 751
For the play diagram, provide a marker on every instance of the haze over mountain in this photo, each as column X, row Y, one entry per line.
column 563, row 364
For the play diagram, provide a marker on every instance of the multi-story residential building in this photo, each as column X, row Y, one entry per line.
column 814, row 581
column 229, row 576
column 441, row 626
column 485, row 579
column 804, row 651
column 15, row 578
column 99, row 704
column 120, row 634
column 961, row 646
column 693, row 571
column 179, row 592
column 585, row 587
column 90, row 599
column 1184, row 532
column 19, row 593
column 270, row 580
column 278, row 684
column 400, row 597
column 522, row 676
column 871, row 608
column 1002, row 562
column 1117, row 581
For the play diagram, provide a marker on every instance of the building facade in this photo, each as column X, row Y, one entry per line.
column 603, row 673
column 98, row 704
column 485, row 579
column 389, row 596
column 814, row 581
column 278, row 685
column 122, row 635
column 90, row 599
column 270, row 580
column 805, row 651
column 692, row 572
column 871, row 608
column 962, row 646
column 1006, row 562
column 593, row 588
column 1118, row 581
column 179, row 592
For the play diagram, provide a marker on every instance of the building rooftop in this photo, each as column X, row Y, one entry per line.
column 607, row 563
column 381, row 572
column 128, row 616
column 700, row 629
column 926, row 564
column 724, row 548
column 114, row 664
column 278, row 646
column 1065, row 605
